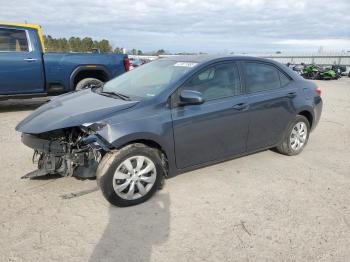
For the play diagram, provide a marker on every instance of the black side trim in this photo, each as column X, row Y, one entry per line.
column 20, row 96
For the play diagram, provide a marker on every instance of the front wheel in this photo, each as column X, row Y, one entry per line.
column 130, row 175
column 296, row 137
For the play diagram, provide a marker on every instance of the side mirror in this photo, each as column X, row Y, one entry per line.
column 190, row 97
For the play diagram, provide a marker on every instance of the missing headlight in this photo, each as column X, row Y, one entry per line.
column 67, row 152
column 96, row 126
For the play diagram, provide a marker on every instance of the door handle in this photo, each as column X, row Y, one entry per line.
column 241, row 106
column 30, row 59
column 291, row 94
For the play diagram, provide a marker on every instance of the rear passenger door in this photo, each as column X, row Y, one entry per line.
column 21, row 68
column 271, row 95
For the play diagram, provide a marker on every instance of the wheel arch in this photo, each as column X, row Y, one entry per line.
column 147, row 142
column 309, row 116
column 99, row 72
column 150, row 140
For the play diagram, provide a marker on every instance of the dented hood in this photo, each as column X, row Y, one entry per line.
column 70, row 110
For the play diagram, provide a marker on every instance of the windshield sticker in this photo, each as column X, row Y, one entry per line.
column 185, row 64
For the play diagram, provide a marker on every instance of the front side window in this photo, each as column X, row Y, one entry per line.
column 261, row 77
column 215, row 82
column 13, row 40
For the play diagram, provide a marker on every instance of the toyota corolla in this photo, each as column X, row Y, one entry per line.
column 170, row 116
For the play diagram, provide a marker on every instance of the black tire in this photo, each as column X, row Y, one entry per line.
column 285, row 147
column 110, row 163
column 88, row 83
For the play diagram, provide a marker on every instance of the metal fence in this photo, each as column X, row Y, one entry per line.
column 324, row 59
column 318, row 58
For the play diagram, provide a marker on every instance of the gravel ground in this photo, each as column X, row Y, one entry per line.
column 262, row 207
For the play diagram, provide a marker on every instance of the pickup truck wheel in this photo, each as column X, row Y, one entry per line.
column 88, row 83
column 296, row 137
column 130, row 175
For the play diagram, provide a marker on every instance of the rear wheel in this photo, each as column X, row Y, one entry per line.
column 296, row 137
column 88, row 83
column 130, row 175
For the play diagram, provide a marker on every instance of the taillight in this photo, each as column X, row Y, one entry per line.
column 318, row 91
column 127, row 63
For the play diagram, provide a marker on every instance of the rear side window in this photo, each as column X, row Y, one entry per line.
column 215, row 82
column 261, row 77
column 12, row 40
column 284, row 79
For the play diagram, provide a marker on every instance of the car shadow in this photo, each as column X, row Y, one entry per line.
column 46, row 177
column 13, row 105
column 133, row 231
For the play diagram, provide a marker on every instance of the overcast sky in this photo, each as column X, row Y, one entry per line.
column 193, row 25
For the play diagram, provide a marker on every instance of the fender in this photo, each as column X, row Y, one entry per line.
column 82, row 68
column 166, row 146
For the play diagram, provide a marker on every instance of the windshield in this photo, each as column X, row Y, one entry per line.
column 148, row 80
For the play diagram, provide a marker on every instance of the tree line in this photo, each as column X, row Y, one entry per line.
column 87, row 44
column 76, row 44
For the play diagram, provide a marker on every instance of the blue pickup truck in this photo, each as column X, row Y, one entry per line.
column 26, row 70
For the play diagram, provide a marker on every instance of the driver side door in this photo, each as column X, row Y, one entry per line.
column 216, row 129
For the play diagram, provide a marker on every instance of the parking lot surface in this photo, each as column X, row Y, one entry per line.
column 262, row 207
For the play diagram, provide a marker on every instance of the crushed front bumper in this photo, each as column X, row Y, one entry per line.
column 43, row 145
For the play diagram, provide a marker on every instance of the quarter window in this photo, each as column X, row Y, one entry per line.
column 218, row 81
column 261, row 77
column 12, row 40
column 284, row 79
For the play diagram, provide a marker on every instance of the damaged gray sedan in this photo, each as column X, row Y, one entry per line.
column 168, row 117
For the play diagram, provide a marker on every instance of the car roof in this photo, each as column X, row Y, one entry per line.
column 207, row 58
column 202, row 59
column 21, row 25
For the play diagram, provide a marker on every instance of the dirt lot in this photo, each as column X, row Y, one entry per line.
column 261, row 207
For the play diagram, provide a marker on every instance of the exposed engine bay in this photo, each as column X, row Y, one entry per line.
column 72, row 151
